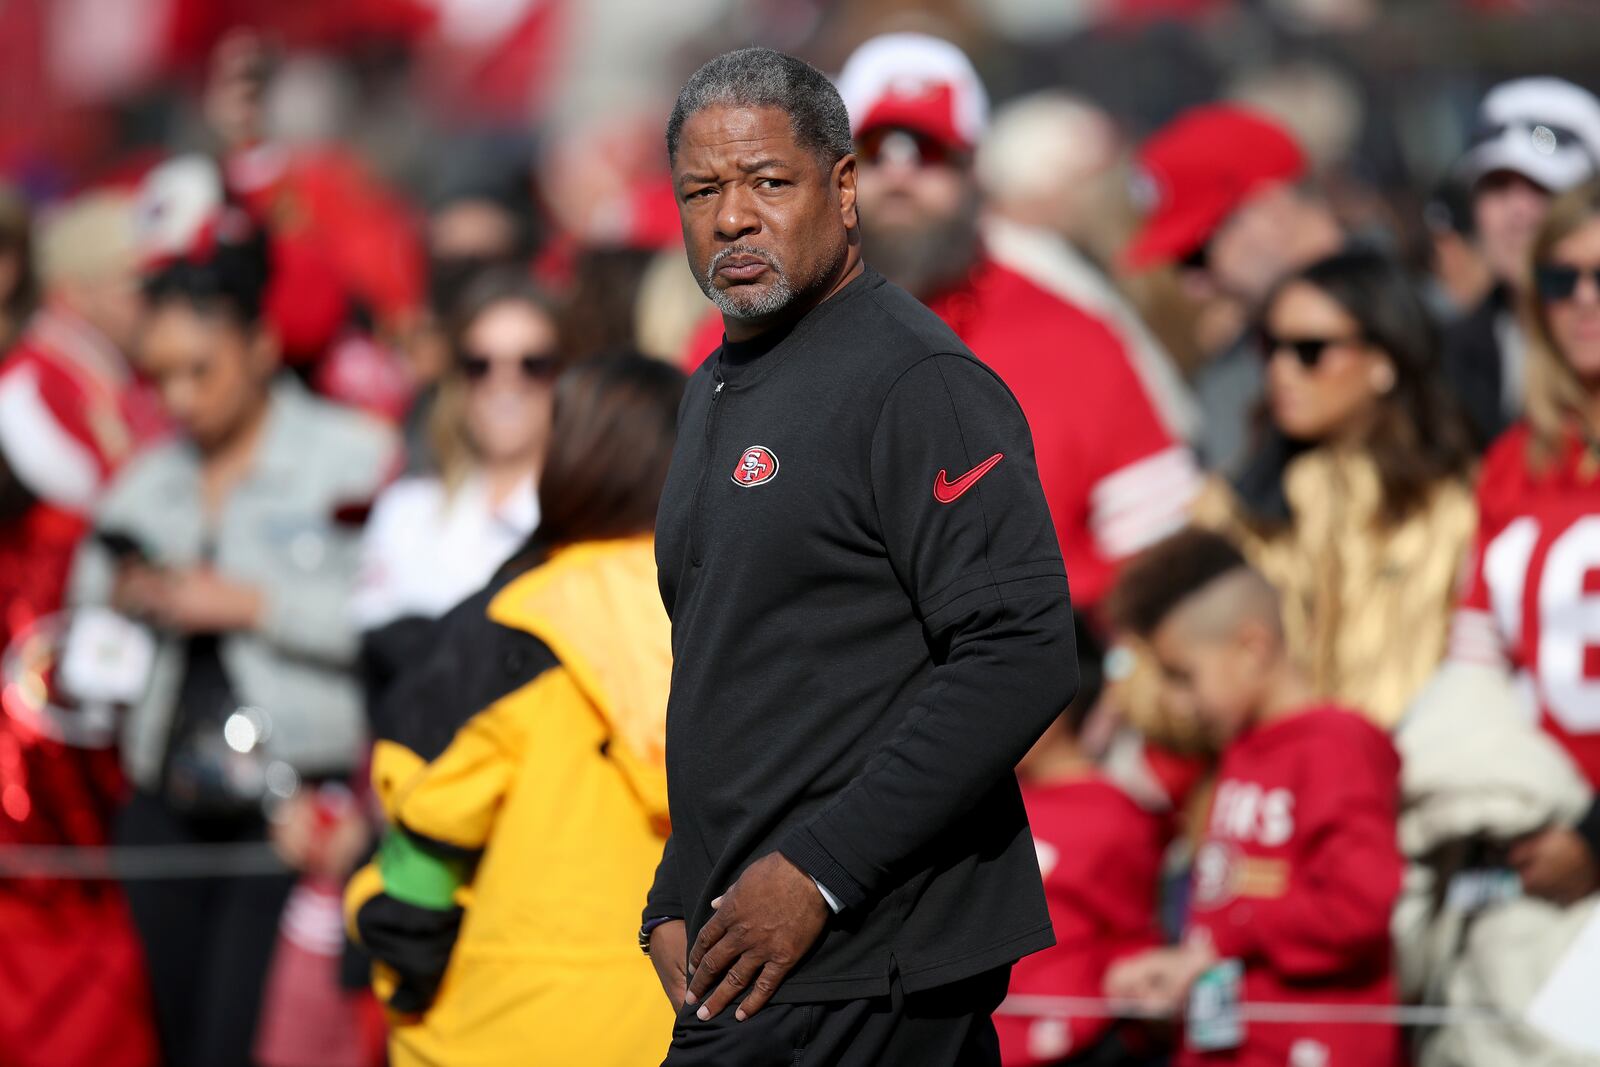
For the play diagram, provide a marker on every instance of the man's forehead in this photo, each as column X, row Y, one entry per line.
column 734, row 129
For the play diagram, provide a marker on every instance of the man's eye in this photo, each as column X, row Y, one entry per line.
column 772, row 183
column 699, row 194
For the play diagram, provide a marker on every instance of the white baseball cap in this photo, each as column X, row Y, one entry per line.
column 178, row 201
column 918, row 82
column 1545, row 129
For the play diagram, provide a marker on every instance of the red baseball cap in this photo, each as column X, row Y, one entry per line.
column 916, row 82
column 1198, row 170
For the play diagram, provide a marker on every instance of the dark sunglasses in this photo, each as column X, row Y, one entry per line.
column 534, row 366
column 1556, row 281
column 895, row 144
column 1308, row 350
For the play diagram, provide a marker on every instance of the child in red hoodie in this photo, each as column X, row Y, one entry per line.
column 1298, row 870
column 1100, row 857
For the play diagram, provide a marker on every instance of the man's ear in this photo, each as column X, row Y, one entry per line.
column 265, row 352
column 843, row 178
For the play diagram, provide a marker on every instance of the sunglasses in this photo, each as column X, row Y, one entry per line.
column 533, row 366
column 1557, row 281
column 894, row 144
column 1308, row 350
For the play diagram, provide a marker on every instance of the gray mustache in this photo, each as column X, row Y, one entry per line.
column 741, row 250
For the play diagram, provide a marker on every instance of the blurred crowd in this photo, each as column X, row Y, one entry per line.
column 329, row 328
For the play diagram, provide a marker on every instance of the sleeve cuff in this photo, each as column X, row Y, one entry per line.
column 832, row 901
column 802, row 849
column 414, row 875
column 659, row 904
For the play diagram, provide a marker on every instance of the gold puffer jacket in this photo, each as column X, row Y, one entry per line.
column 1366, row 604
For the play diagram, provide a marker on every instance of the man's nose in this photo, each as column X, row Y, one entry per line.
column 737, row 216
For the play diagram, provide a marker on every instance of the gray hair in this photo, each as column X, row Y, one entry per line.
column 761, row 77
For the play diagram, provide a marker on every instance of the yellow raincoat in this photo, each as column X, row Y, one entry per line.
column 550, row 801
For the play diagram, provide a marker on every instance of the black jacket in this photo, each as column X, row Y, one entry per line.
column 1474, row 368
column 858, row 665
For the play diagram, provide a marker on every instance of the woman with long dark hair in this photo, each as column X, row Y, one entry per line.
column 230, row 544
column 522, row 768
column 1356, row 503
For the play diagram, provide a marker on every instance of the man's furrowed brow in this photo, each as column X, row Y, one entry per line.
column 771, row 162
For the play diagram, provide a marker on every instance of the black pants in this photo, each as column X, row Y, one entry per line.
column 944, row 1027
column 207, row 941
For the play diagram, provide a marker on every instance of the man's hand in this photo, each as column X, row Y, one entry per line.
column 1556, row 864
column 202, row 601
column 669, row 951
column 762, row 927
column 1158, row 981
column 139, row 589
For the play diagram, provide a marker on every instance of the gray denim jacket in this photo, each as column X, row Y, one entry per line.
column 278, row 531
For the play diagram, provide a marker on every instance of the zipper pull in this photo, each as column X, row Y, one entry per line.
column 718, row 390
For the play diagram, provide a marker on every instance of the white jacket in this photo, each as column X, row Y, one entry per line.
column 1473, row 763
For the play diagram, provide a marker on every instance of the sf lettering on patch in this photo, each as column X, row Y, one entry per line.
column 757, row 466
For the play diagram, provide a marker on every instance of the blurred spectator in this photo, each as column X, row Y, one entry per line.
column 1114, row 478
column 525, row 761
column 482, row 217
column 1352, row 152
column 180, row 197
column 674, row 320
column 70, row 414
column 1357, row 504
column 19, row 285
column 435, row 538
column 1536, row 138
column 227, row 543
column 1298, row 872
column 1479, row 776
column 603, row 303
column 1530, row 596
column 605, row 183
column 481, row 221
column 1229, row 205
column 75, row 408
column 1100, row 857
column 1053, row 172
column 343, row 244
column 1459, row 274
column 71, row 408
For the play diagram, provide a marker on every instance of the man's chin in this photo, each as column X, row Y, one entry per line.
column 753, row 300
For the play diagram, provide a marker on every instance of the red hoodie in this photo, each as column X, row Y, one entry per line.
column 1297, row 876
column 1100, row 856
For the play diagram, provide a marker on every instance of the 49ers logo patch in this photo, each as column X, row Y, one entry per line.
column 757, row 466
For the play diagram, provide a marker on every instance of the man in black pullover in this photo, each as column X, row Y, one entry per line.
column 870, row 624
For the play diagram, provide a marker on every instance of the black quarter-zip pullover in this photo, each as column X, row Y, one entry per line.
column 870, row 626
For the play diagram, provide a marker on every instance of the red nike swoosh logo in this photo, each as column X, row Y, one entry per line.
column 947, row 492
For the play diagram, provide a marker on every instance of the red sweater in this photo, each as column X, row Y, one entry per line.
column 1100, row 856
column 1297, row 876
